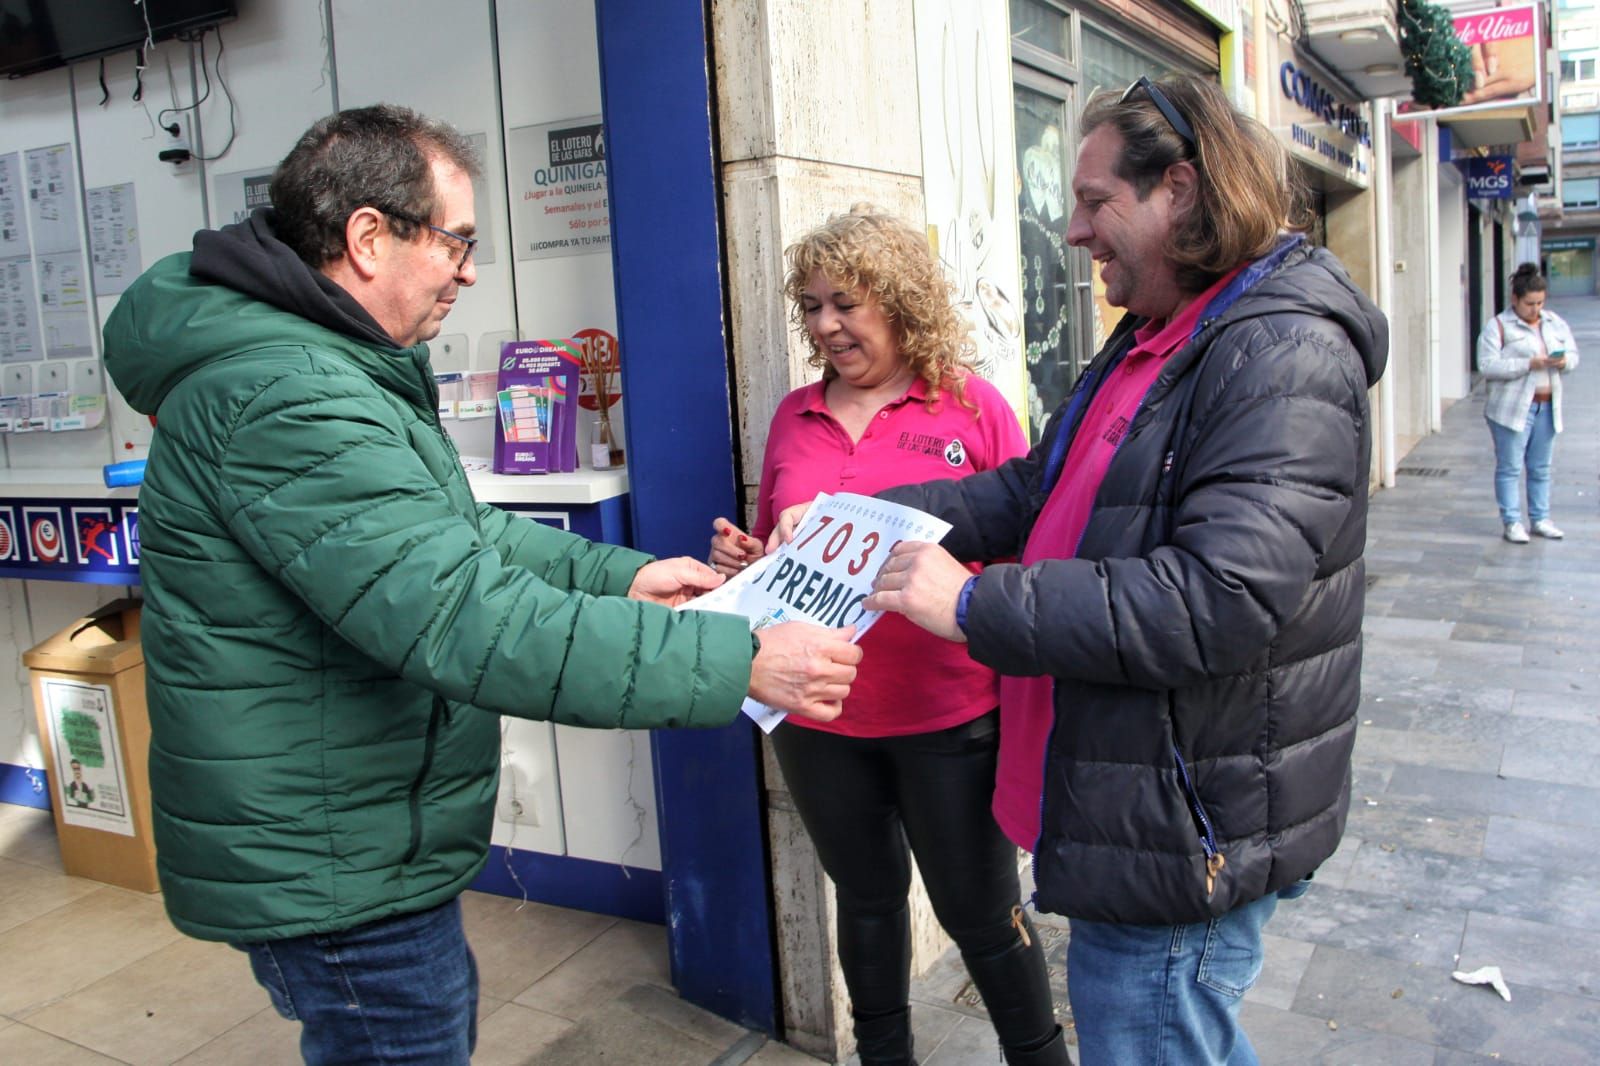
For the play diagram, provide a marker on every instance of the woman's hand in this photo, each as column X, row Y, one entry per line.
column 789, row 520
column 1540, row 362
column 732, row 549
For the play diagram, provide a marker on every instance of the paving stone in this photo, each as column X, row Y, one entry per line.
column 1396, row 821
column 1373, row 922
column 1351, row 988
column 1282, row 1038
column 1532, row 953
column 1569, row 848
column 1285, row 963
column 1512, row 889
column 1518, row 798
column 1427, row 749
column 1551, row 762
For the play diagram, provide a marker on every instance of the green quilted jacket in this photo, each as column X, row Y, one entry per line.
column 332, row 625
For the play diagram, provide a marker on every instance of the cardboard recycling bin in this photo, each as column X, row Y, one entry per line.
column 88, row 691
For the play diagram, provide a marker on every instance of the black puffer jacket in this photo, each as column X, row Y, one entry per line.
column 1206, row 640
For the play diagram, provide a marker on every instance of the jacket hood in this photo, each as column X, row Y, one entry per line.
column 1311, row 281
column 242, row 288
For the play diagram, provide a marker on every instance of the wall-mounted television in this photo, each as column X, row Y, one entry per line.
column 37, row 35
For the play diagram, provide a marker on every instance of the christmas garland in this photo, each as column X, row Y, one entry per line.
column 1439, row 64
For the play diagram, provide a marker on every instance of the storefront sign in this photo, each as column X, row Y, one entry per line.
column 1489, row 177
column 1319, row 128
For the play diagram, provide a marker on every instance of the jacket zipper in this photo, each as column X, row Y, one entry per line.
column 415, row 799
column 1208, row 835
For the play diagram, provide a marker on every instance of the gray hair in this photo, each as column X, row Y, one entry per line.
column 378, row 156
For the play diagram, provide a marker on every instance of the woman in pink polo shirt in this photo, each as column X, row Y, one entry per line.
column 912, row 758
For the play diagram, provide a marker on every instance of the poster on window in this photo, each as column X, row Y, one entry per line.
column 91, row 782
column 559, row 202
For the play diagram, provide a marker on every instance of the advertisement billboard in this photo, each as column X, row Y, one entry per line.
column 1507, row 61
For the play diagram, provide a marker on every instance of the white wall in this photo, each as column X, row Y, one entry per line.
column 287, row 64
column 1455, row 359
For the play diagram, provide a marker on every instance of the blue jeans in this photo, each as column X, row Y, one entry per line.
column 397, row 990
column 1167, row 995
column 1532, row 448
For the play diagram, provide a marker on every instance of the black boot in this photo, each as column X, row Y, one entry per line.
column 1052, row 1053
column 1015, row 986
column 885, row 1039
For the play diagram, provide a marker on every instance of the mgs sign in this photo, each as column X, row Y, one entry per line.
column 1489, row 178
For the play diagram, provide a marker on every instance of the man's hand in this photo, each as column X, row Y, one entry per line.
column 805, row 669
column 789, row 520
column 921, row 581
column 670, row 582
column 732, row 549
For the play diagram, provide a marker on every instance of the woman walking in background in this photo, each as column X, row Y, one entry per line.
column 1523, row 352
column 912, row 758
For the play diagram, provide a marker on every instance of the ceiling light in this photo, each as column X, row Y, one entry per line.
column 1359, row 36
column 1381, row 70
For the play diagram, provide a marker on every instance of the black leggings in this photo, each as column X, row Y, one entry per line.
column 862, row 800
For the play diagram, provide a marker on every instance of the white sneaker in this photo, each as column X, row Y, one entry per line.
column 1546, row 528
column 1516, row 533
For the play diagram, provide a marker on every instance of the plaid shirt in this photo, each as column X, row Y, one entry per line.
column 1504, row 348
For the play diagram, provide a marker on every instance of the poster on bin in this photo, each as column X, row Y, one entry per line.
column 91, row 784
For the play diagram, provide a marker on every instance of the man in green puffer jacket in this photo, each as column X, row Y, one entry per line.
column 333, row 625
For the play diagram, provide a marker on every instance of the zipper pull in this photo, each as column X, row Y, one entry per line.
column 1022, row 928
column 1213, row 865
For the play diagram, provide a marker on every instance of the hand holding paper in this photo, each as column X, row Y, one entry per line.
column 671, row 582
column 732, row 549
column 823, row 574
column 921, row 581
column 805, row 669
column 789, row 520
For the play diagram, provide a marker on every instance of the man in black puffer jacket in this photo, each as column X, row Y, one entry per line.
column 1181, row 637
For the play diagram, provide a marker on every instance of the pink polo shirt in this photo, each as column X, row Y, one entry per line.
column 1027, row 705
column 909, row 681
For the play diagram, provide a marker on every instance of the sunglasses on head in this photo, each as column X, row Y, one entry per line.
column 1180, row 125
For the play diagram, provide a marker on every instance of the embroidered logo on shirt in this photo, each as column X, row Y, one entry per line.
column 925, row 443
column 955, row 453
column 1115, row 431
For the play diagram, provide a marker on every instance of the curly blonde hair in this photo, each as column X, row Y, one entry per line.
column 883, row 257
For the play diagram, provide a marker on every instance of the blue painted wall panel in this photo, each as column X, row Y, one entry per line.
column 667, row 253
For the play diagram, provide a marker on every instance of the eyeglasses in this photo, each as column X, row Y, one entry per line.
column 470, row 242
column 1180, row 125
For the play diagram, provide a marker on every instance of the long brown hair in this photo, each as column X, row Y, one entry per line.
column 1245, row 194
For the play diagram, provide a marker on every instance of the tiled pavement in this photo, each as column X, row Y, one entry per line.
column 1474, row 839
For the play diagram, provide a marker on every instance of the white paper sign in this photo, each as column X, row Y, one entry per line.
column 823, row 574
